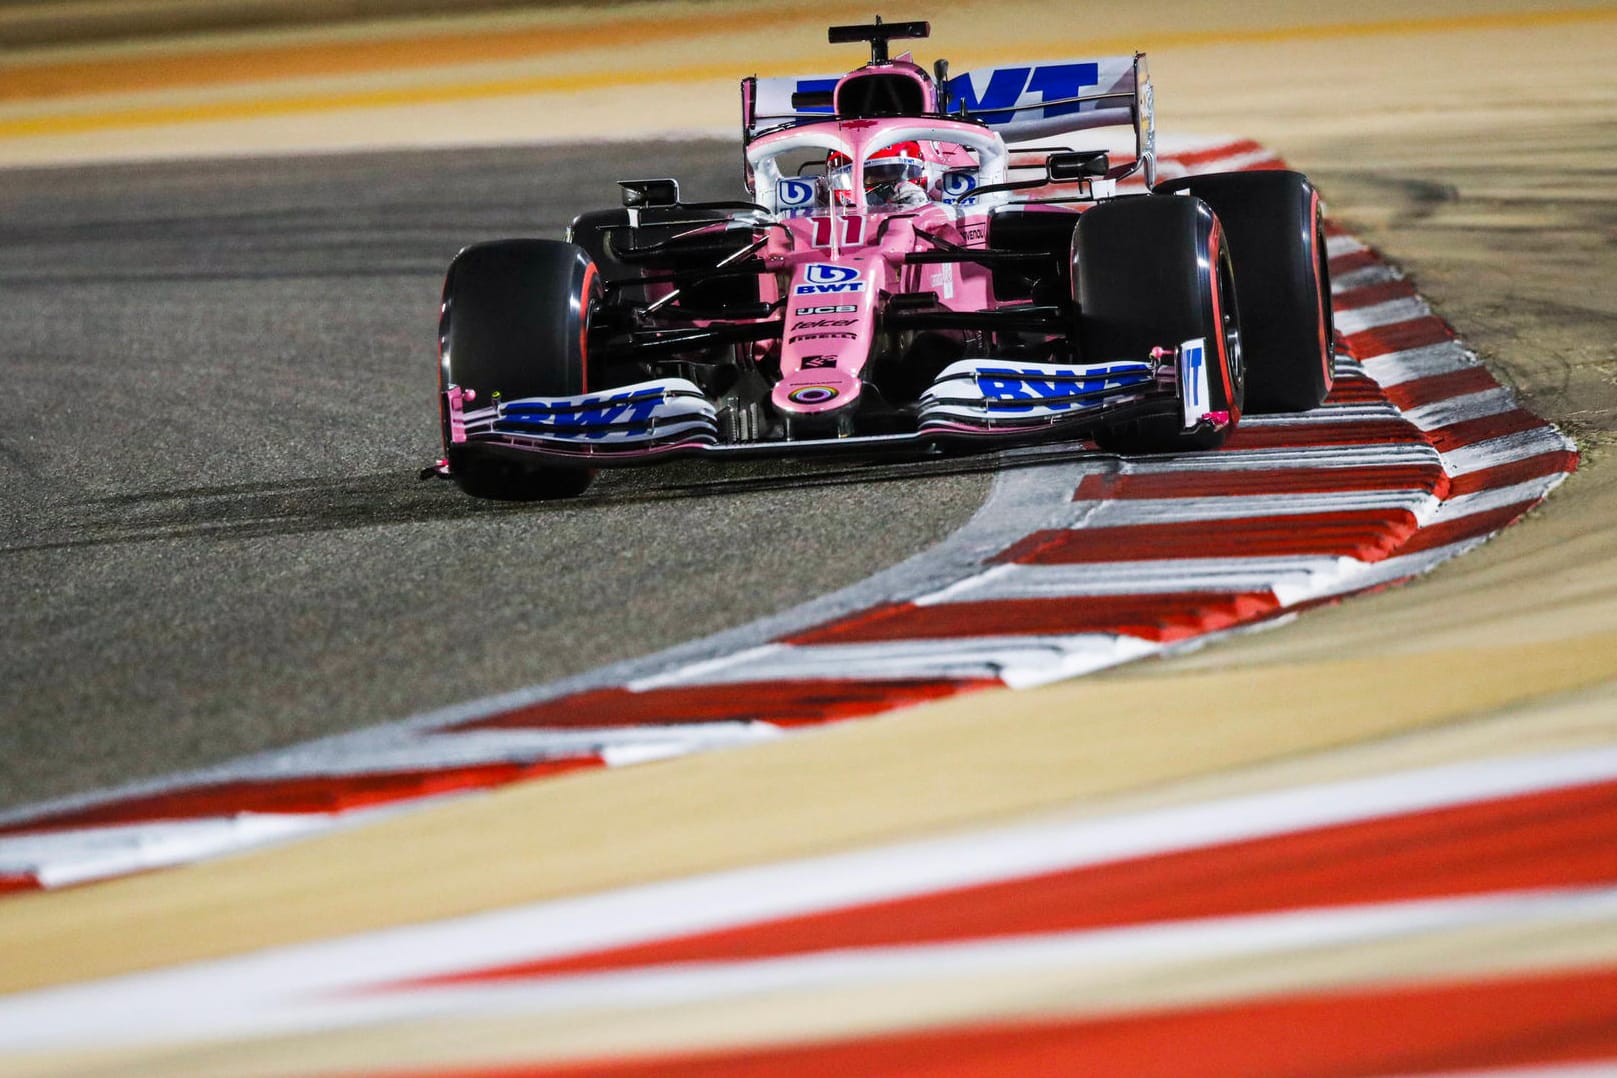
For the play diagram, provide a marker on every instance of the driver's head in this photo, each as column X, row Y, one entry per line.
column 884, row 170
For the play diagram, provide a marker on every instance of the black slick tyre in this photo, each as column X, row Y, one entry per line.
column 515, row 322
column 1154, row 272
column 1276, row 233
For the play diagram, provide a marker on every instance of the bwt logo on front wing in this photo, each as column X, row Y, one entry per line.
column 591, row 413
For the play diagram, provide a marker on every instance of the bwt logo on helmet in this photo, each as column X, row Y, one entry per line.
column 824, row 279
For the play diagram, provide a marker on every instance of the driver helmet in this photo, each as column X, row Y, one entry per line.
column 887, row 167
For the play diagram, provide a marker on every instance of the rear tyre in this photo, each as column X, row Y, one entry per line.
column 515, row 323
column 1276, row 233
column 1150, row 272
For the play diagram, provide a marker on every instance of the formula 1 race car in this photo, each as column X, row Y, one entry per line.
column 925, row 263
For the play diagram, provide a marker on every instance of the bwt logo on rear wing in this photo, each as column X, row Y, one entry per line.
column 1020, row 101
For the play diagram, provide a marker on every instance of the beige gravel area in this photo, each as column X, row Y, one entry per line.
column 1478, row 154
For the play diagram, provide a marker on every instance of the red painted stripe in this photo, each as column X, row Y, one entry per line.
column 1552, row 839
column 1352, row 262
column 1471, row 431
column 1398, row 336
column 1391, row 431
column 1428, row 1028
column 1162, row 618
column 1371, row 294
column 14, row 883
column 1367, row 534
column 782, row 702
column 1207, row 484
column 1440, row 387
column 1468, row 527
column 1356, row 390
column 1191, row 159
column 1517, row 471
column 300, row 795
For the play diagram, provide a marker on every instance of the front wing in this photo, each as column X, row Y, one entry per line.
column 971, row 402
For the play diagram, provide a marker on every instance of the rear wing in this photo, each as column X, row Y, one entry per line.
column 1022, row 102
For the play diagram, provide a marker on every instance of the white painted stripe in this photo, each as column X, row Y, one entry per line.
column 1503, row 450
column 303, row 984
column 1336, row 246
column 1376, row 273
column 1122, row 512
column 445, row 751
column 1158, row 948
column 1019, row 661
column 1443, row 413
column 1390, row 313
column 1329, row 413
column 1396, row 368
column 1297, row 576
column 1323, row 456
column 1554, row 1070
column 61, row 858
column 1495, row 498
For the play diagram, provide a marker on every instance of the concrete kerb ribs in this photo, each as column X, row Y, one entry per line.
column 1075, row 563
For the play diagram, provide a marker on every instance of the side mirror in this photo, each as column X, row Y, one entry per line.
column 642, row 194
column 1072, row 166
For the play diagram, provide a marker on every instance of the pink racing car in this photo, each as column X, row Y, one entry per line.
column 925, row 263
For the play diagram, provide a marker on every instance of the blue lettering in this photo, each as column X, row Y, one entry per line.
column 1193, row 366
column 1003, row 388
column 1058, row 82
column 1051, row 82
column 816, row 86
column 823, row 289
column 1004, row 89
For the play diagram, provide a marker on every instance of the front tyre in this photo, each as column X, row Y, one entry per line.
column 1276, row 232
column 515, row 322
column 1151, row 272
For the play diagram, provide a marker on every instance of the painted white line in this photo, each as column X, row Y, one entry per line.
column 1396, row 368
column 1293, row 577
column 1336, row 246
column 61, row 858
column 299, row 987
column 1019, row 661
column 1443, row 413
column 1377, row 273
column 1506, row 449
column 1390, row 313
column 1123, row 512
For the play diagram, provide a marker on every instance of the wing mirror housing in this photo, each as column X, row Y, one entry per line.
column 645, row 194
column 1075, row 165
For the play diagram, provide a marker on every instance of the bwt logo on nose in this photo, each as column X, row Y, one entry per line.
column 820, row 273
column 823, row 278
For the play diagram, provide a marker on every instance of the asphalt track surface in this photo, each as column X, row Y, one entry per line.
column 219, row 381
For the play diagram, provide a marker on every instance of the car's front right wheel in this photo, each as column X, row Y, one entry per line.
column 1155, row 272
